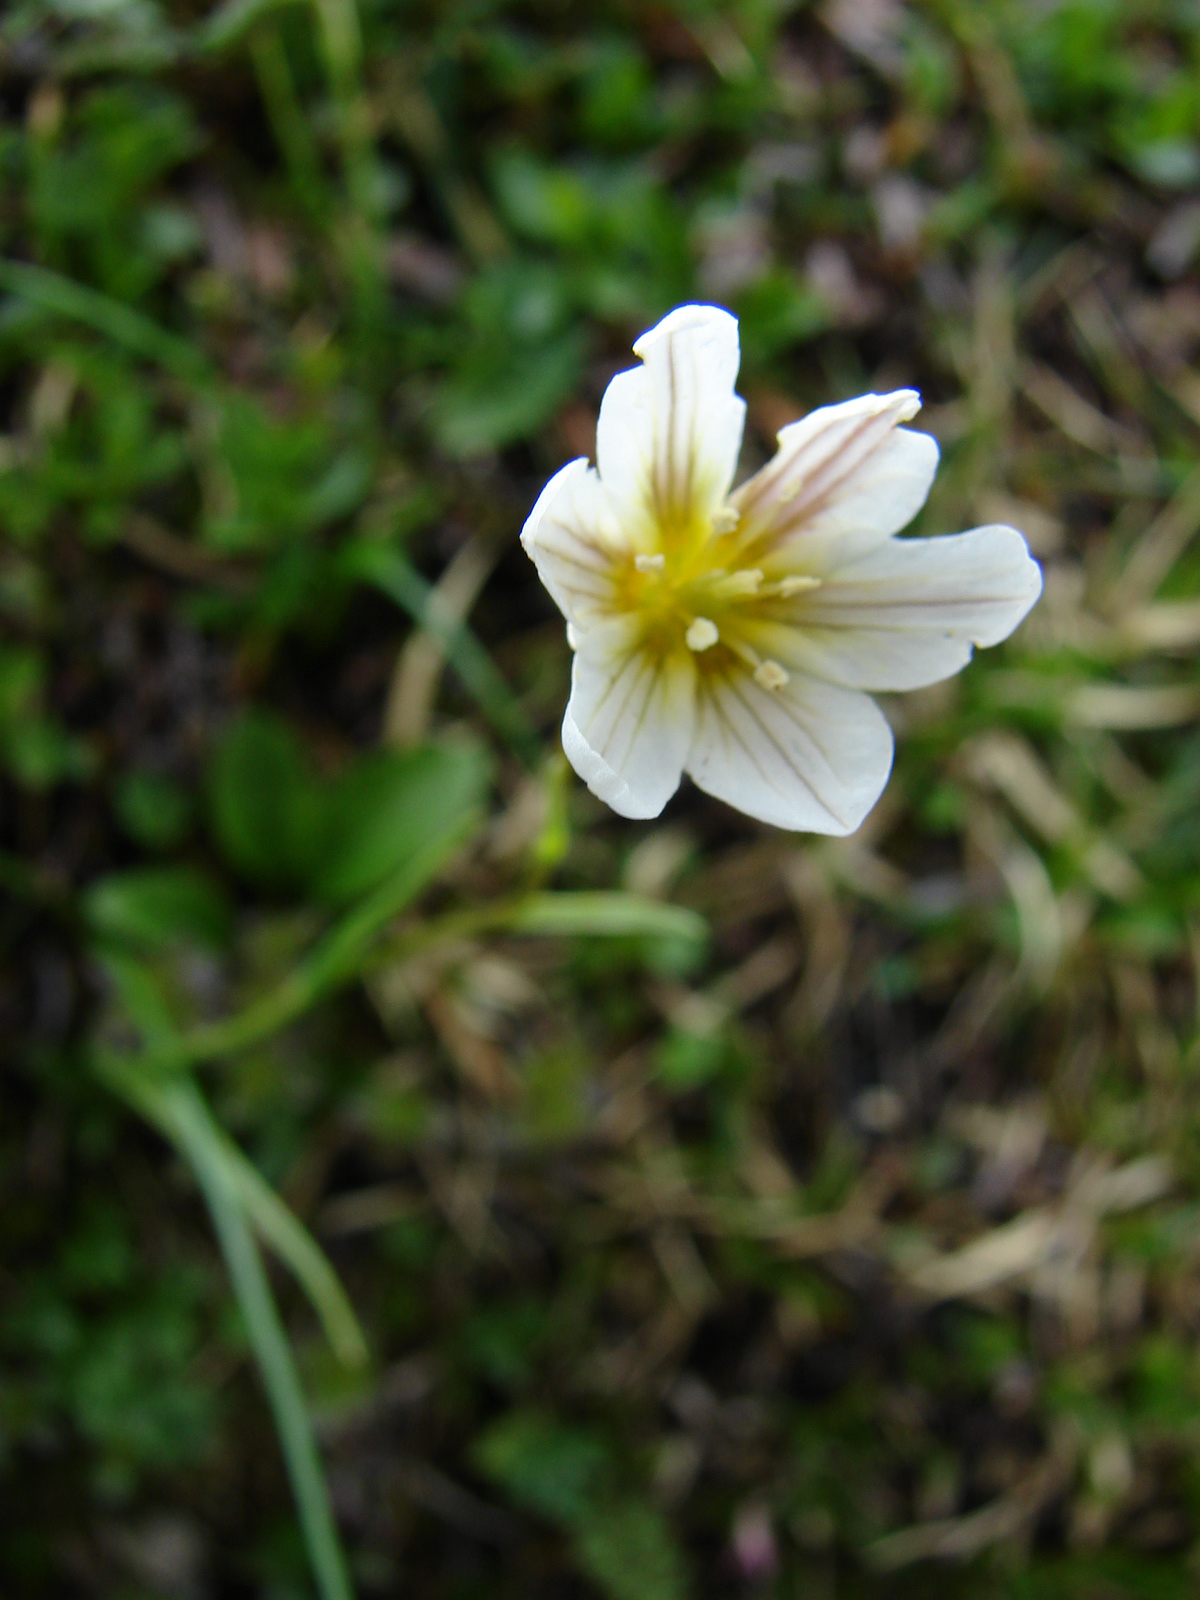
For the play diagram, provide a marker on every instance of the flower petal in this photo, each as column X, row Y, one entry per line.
column 844, row 479
column 571, row 536
column 629, row 721
column 807, row 756
column 669, row 433
column 908, row 614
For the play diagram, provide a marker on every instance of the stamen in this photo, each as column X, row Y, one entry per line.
column 726, row 519
column 785, row 588
column 770, row 675
column 702, row 634
column 654, row 563
column 797, row 583
column 745, row 582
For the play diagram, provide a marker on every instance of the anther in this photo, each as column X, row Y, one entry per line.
column 770, row 675
column 725, row 520
column 654, row 563
column 702, row 634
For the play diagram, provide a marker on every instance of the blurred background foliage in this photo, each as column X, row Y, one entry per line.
column 850, row 1251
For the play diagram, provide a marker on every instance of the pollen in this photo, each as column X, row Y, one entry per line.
column 654, row 563
column 770, row 675
column 702, row 634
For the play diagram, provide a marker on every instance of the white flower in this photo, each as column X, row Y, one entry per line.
column 732, row 635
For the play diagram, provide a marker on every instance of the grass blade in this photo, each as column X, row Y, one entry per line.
column 397, row 578
column 51, row 291
column 156, row 1100
column 176, row 1108
column 269, row 1343
column 291, row 1241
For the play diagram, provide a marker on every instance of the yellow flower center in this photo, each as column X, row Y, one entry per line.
column 694, row 598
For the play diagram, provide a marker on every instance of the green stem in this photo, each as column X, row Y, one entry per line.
column 347, row 954
column 356, row 233
column 288, row 123
column 341, row 41
column 334, row 962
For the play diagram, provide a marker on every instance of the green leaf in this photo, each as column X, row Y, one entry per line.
column 152, row 809
column 232, row 20
column 267, row 810
column 550, row 204
column 685, row 1060
column 543, row 1464
column 487, row 404
column 41, row 753
column 521, row 357
column 778, row 311
column 503, row 1341
column 62, row 296
column 22, row 678
column 35, row 748
column 391, row 805
column 629, row 1552
column 340, row 955
column 158, row 905
column 285, row 478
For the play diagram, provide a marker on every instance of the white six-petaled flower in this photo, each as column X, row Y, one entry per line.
column 732, row 635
